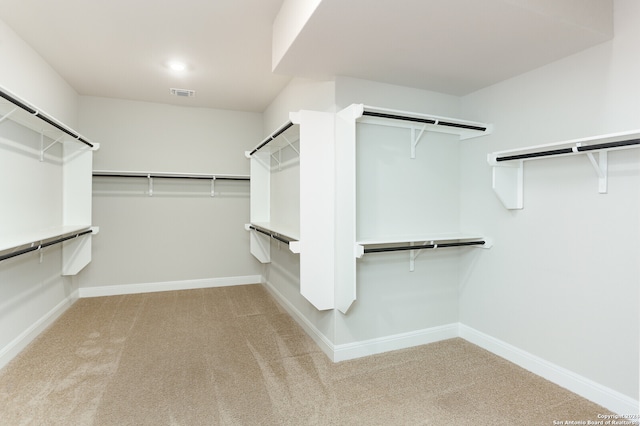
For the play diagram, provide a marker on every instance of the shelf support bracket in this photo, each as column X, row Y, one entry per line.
column 508, row 184
column 291, row 145
column 150, row 185
column 600, row 167
column 7, row 115
column 277, row 160
column 413, row 254
column 415, row 140
column 43, row 149
column 213, row 186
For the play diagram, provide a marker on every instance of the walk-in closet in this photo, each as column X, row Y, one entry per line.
column 323, row 212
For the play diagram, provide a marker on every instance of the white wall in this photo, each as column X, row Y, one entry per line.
column 561, row 281
column 32, row 292
column 353, row 90
column 299, row 94
column 180, row 233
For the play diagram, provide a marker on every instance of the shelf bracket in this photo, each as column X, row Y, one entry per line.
column 213, row 186
column 7, row 115
column 277, row 160
column 150, row 185
column 508, row 184
column 415, row 140
column 413, row 254
column 291, row 145
column 600, row 167
column 43, row 149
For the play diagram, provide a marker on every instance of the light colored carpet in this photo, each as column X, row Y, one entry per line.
column 232, row 356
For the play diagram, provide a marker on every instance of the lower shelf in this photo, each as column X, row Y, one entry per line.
column 36, row 236
column 414, row 245
column 419, row 242
column 260, row 243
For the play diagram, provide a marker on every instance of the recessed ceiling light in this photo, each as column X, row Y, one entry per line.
column 177, row 66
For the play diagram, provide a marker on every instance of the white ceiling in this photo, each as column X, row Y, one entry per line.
column 119, row 48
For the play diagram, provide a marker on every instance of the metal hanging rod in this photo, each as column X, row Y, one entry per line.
column 570, row 150
column 104, row 173
column 423, row 120
column 273, row 136
column 274, row 235
column 43, row 117
column 43, row 245
column 422, row 246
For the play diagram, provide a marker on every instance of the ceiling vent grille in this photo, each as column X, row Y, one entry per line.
column 183, row 93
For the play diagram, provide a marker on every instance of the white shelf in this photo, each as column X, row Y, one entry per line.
column 150, row 176
column 286, row 135
column 453, row 236
column 175, row 175
column 432, row 241
column 508, row 166
column 21, row 112
column 269, row 227
column 18, row 240
column 463, row 128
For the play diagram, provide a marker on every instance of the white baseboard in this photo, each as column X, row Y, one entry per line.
column 14, row 347
column 394, row 342
column 116, row 290
column 602, row 395
column 364, row 348
column 320, row 339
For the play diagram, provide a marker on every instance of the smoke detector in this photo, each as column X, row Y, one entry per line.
column 185, row 93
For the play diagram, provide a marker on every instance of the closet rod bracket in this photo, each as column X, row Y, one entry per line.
column 415, row 140
column 42, row 147
column 600, row 166
column 150, row 184
column 7, row 115
column 413, row 254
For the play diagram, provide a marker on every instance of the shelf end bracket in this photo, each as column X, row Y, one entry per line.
column 600, row 167
column 415, row 140
column 7, row 115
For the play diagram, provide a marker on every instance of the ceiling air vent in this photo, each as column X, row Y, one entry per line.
column 184, row 93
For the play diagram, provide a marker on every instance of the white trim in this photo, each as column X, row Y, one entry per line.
column 394, row 342
column 607, row 397
column 116, row 290
column 320, row 339
column 13, row 348
column 337, row 353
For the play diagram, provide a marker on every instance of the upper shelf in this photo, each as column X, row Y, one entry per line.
column 285, row 135
column 170, row 175
column 608, row 142
column 15, row 109
column 508, row 177
column 463, row 128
